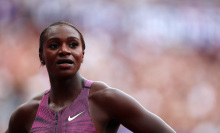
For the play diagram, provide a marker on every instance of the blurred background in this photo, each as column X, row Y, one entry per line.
column 164, row 53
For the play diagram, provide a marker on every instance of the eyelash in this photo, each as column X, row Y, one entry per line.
column 55, row 45
column 73, row 44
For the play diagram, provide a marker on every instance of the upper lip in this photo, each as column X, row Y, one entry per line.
column 60, row 61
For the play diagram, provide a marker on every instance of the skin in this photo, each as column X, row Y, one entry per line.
column 109, row 107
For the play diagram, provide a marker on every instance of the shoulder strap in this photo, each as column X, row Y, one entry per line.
column 46, row 92
column 88, row 84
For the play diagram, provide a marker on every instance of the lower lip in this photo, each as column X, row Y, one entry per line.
column 65, row 65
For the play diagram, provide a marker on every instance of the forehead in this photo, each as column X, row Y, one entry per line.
column 61, row 31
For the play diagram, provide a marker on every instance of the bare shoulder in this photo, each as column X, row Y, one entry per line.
column 23, row 117
column 109, row 98
column 129, row 112
column 102, row 90
column 103, row 103
column 98, row 86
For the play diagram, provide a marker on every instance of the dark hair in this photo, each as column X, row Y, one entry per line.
column 46, row 29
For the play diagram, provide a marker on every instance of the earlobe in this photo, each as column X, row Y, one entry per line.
column 42, row 59
column 82, row 57
column 42, row 62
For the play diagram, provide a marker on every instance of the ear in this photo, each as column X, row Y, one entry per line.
column 82, row 57
column 42, row 59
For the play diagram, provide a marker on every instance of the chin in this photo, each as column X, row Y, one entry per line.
column 62, row 74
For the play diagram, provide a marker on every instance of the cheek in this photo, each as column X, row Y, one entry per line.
column 78, row 55
column 48, row 57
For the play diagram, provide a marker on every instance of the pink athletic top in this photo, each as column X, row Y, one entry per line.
column 74, row 119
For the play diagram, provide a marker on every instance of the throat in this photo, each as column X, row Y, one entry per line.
column 60, row 102
column 59, row 107
column 61, row 99
column 63, row 93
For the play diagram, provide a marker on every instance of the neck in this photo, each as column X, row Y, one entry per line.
column 65, row 89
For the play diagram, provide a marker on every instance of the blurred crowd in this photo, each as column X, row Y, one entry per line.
column 165, row 54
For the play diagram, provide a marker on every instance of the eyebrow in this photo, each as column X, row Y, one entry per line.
column 68, row 38
column 58, row 39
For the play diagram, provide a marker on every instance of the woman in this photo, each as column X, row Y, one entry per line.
column 74, row 104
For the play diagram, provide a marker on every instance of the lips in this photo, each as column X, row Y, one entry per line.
column 65, row 63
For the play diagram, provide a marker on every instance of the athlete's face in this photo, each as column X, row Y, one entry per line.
column 62, row 51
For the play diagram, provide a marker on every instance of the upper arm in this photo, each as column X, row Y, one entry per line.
column 129, row 112
column 22, row 118
column 16, row 122
column 134, row 116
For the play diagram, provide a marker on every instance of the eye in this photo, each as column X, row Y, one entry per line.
column 73, row 44
column 53, row 46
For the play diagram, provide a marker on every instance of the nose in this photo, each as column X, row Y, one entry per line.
column 64, row 50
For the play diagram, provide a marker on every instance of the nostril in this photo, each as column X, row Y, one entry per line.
column 64, row 52
column 64, row 49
